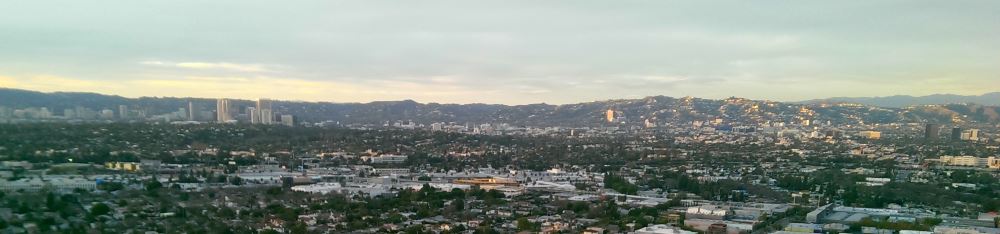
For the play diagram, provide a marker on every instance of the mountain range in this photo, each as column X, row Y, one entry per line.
column 900, row 101
column 656, row 109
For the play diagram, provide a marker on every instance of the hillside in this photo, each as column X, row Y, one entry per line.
column 900, row 101
column 660, row 109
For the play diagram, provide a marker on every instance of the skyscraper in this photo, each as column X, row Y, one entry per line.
column 956, row 134
column 123, row 112
column 253, row 114
column 265, row 113
column 222, row 111
column 68, row 113
column 610, row 115
column 107, row 114
column 932, row 131
column 191, row 111
column 288, row 120
column 182, row 113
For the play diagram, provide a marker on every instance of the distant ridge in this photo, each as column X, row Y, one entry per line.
column 659, row 109
column 899, row 101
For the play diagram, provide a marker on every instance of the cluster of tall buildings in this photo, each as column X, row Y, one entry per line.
column 261, row 113
column 957, row 134
column 933, row 132
column 222, row 111
column 226, row 111
column 76, row 113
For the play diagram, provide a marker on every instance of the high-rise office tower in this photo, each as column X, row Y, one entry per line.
column 222, row 111
column 932, row 131
column 123, row 112
column 191, row 111
column 107, row 114
column 265, row 113
column 288, row 120
column 610, row 115
column 44, row 113
column 182, row 113
column 253, row 114
column 956, row 134
column 68, row 113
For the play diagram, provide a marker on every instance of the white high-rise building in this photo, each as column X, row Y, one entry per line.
column 67, row 113
column 253, row 114
column 191, row 111
column 181, row 113
column 123, row 112
column 44, row 113
column 107, row 114
column 222, row 112
column 265, row 113
column 288, row 120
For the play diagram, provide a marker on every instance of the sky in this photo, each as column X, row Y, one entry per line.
column 507, row 52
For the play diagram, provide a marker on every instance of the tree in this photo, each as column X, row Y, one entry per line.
column 459, row 204
column 236, row 180
column 524, row 225
column 110, row 186
column 153, row 185
column 620, row 184
column 226, row 212
column 100, row 209
column 299, row 228
column 415, row 229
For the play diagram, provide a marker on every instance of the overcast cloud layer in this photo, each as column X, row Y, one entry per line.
column 511, row 52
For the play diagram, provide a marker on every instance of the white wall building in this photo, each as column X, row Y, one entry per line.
column 385, row 158
column 35, row 184
column 662, row 229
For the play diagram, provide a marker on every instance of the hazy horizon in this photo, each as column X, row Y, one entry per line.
column 501, row 52
column 488, row 103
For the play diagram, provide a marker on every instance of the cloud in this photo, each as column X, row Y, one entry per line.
column 247, row 87
column 503, row 51
column 253, row 87
column 7, row 82
column 661, row 79
column 211, row 66
column 56, row 83
column 729, row 39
